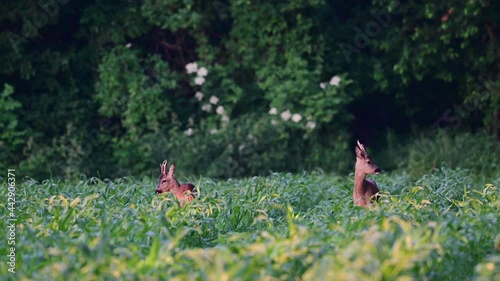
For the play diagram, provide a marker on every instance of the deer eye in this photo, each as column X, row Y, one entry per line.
column 163, row 181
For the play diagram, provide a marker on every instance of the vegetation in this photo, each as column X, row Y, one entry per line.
column 110, row 88
column 420, row 155
column 227, row 89
column 444, row 226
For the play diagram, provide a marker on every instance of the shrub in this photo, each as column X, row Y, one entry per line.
column 253, row 145
column 478, row 153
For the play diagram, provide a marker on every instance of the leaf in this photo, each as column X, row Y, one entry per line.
column 75, row 202
column 89, row 199
column 153, row 252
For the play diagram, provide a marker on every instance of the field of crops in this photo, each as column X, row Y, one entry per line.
column 280, row 227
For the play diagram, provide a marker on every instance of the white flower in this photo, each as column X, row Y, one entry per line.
column 220, row 110
column 311, row 125
column 225, row 118
column 214, row 100
column 322, row 85
column 191, row 67
column 128, row 45
column 202, row 71
column 335, row 81
column 213, row 131
column 188, row 132
column 241, row 147
column 273, row 111
column 285, row 115
column 199, row 80
column 198, row 96
column 274, row 122
column 206, row 107
column 296, row 118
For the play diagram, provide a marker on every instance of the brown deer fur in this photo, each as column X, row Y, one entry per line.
column 365, row 190
column 168, row 183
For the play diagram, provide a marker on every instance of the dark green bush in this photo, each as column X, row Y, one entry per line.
column 253, row 145
column 112, row 87
column 11, row 136
column 424, row 153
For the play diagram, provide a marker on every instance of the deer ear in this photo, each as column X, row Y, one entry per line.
column 361, row 146
column 360, row 151
column 171, row 171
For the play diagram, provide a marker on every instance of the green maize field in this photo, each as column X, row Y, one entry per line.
column 444, row 226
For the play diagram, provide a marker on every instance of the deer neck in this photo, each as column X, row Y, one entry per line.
column 359, row 179
column 176, row 187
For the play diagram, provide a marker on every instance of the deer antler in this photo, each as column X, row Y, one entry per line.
column 163, row 167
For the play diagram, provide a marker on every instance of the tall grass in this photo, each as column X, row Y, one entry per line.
column 280, row 227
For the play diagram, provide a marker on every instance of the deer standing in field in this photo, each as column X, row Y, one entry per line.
column 168, row 183
column 365, row 190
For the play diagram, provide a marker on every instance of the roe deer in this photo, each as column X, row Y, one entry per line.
column 364, row 189
column 168, row 183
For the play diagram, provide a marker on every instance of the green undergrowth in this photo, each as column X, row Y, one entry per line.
column 421, row 153
column 443, row 226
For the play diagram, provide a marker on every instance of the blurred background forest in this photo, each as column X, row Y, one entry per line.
column 235, row 88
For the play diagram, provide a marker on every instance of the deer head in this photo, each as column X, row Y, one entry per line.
column 364, row 163
column 167, row 182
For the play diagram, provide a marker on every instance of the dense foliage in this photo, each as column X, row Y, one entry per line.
column 233, row 88
column 444, row 226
